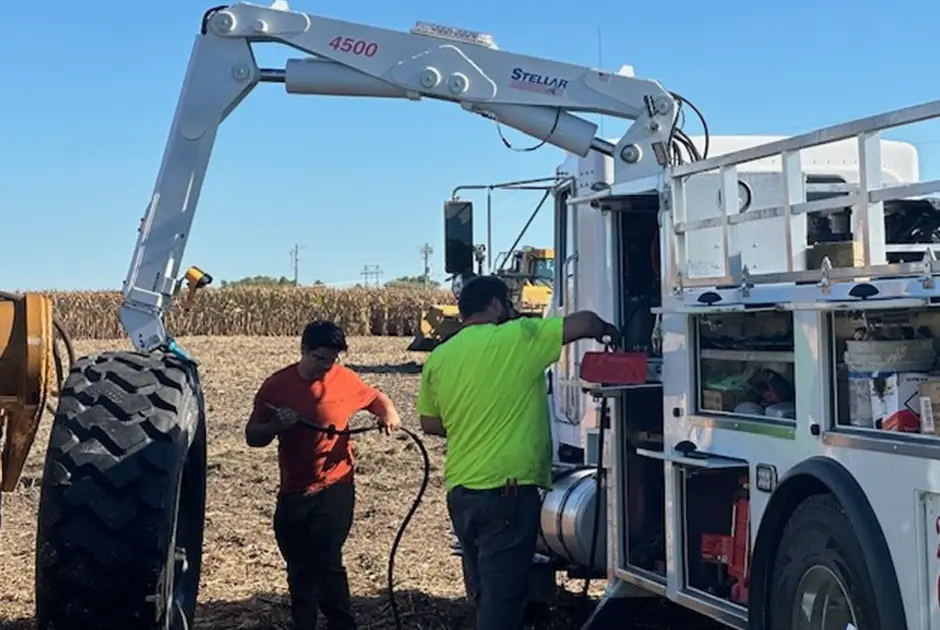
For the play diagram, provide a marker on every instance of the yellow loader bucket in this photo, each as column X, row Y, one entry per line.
column 438, row 322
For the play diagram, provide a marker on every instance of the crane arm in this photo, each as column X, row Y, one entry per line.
column 533, row 95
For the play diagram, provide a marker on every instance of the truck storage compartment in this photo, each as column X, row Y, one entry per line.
column 717, row 542
column 645, row 487
column 885, row 370
column 745, row 364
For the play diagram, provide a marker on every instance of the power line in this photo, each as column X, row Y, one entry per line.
column 371, row 273
column 426, row 252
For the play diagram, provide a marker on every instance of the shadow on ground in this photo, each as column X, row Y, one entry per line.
column 419, row 612
column 401, row 368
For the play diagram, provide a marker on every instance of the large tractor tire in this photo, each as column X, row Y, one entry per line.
column 121, row 515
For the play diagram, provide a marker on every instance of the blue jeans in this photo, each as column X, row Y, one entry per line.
column 497, row 530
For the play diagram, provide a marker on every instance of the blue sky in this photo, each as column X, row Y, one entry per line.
column 90, row 89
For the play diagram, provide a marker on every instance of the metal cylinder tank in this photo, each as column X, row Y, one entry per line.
column 567, row 520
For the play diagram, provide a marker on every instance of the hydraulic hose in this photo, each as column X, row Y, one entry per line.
column 426, row 460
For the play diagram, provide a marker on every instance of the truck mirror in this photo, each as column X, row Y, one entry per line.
column 458, row 236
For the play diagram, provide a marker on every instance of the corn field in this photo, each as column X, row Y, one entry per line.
column 259, row 311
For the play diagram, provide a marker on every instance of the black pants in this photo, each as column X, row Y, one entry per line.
column 497, row 533
column 310, row 532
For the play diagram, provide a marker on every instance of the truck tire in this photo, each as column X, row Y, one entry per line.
column 122, row 507
column 818, row 548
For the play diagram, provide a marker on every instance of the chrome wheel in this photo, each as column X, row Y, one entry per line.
column 822, row 602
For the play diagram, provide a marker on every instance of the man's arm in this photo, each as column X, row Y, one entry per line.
column 261, row 429
column 432, row 425
column 262, row 425
column 383, row 407
column 427, row 406
column 544, row 338
column 587, row 325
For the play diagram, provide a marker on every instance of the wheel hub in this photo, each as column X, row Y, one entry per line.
column 822, row 602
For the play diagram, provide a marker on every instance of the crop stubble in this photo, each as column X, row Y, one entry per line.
column 243, row 584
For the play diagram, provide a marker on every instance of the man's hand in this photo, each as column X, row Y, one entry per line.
column 391, row 422
column 609, row 334
column 588, row 325
column 284, row 418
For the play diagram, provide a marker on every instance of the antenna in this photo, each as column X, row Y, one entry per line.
column 600, row 66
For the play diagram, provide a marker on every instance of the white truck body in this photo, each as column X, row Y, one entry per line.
column 897, row 473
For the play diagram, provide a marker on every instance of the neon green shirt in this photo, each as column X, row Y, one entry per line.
column 487, row 384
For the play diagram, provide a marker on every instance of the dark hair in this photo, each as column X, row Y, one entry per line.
column 322, row 333
column 477, row 294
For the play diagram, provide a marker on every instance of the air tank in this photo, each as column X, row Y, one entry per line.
column 567, row 520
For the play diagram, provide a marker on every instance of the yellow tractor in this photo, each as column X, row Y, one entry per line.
column 530, row 276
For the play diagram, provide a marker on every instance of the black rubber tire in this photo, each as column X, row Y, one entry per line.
column 819, row 533
column 123, row 490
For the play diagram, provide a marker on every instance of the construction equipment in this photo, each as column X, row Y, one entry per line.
column 834, row 511
column 32, row 369
column 529, row 276
column 529, row 279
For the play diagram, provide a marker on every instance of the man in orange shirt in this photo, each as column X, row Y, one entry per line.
column 316, row 497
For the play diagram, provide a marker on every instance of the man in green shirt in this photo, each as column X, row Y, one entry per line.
column 485, row 390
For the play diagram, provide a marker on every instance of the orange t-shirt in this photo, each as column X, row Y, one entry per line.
column 311, row 460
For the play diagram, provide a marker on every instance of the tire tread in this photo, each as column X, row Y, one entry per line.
column 117, row 447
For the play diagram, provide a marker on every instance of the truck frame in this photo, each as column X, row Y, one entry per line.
column 119, row 540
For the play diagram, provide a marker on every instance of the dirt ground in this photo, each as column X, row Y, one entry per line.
column 243, row 584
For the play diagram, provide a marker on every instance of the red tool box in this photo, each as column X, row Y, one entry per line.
column 614, row 367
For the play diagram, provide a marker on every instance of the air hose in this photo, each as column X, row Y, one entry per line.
column 331, row 431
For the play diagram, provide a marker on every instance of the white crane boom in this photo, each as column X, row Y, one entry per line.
column 534, row 95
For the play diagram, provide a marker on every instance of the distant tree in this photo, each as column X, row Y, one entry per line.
column 319, row 283
column 258, row 281
column 410, row 282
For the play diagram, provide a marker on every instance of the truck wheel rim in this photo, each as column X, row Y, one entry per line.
column 822, row 602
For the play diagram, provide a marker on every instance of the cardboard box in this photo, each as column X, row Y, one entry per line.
column 895, row 401
column 723, row 400
column 930, row 406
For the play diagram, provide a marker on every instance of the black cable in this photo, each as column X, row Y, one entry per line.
column 541, row 144
column 332, row 431
column 701, row 117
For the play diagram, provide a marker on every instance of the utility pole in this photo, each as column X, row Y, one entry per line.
column 295, row 262
column 426, row 251
column 371, row 272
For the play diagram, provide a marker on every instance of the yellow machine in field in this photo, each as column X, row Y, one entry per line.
column 530, row 278
column 31, row 370
column 529, row 272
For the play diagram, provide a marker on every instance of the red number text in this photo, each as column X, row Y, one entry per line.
column 354, row 46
